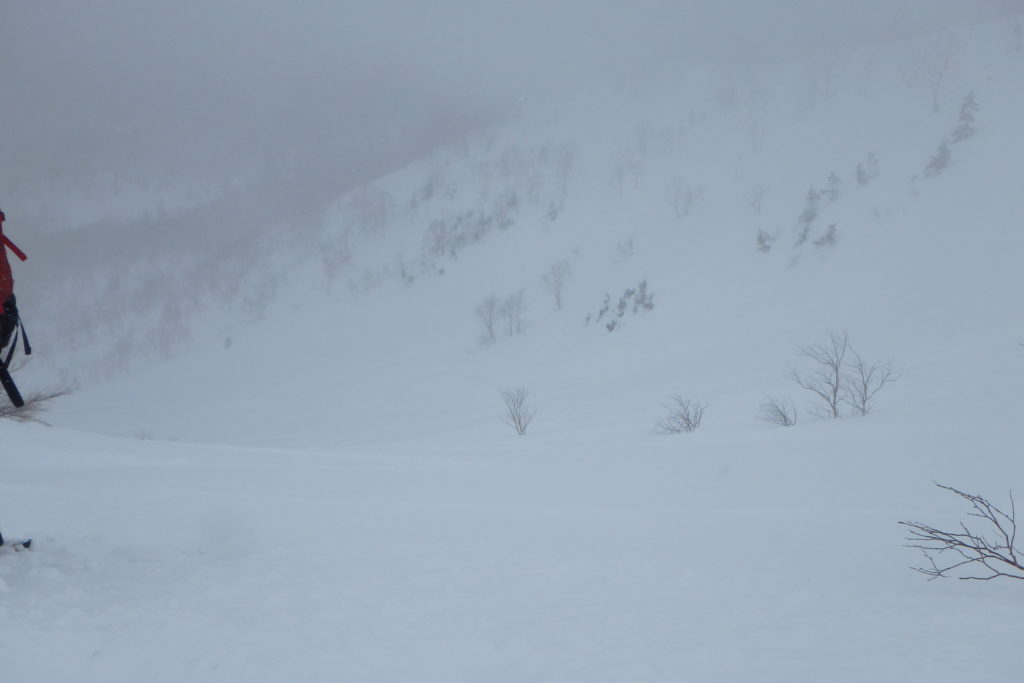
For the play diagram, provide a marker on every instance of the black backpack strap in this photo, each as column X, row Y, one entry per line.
column 19, row 329
column 24, row 337
column 10, row 351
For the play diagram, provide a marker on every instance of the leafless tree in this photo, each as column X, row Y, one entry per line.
column 683, row 198
column 487, row 315
column 930, row 65
column 825, row 380
column 683, row 416
column 755, row 197
column 555, row 279
column 36, row 403
column 511, row 312
column 518, row 414
column 864, row 380
column 778, row 411
column 992, row 552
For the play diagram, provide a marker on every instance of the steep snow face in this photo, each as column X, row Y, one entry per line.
column 287, row 457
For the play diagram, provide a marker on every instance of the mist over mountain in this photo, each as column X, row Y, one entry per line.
column 114, row 107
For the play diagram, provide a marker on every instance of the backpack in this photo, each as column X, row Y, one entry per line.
column 10, row 323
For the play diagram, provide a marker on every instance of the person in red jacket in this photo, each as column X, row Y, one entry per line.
column 9, row 314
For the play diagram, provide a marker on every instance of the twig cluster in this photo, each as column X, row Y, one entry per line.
column 839, row 375
column 36, row 403
column 684, row 416
column 992, row 556
column 778, row 411
column 518, row 414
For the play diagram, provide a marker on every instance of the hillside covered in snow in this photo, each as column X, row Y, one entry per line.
column 287, row 454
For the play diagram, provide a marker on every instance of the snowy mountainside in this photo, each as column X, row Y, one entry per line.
column 286, row 459
column 700, row 191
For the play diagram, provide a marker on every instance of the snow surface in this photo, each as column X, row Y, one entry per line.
column 321, row 488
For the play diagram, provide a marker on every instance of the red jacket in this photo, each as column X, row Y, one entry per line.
column 6, row 278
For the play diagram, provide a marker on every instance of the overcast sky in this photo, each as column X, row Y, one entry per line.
column 371, row 80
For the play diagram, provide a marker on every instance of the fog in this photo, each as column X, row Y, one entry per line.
column 333, row 93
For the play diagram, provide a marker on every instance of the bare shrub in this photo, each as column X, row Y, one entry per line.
column 965, row 123
column 684, row 199
column 939, row 161
column 868, row 171
column 778, row 411
column 829, row 239
column 36, row 403
column 554, row 280
column 808, row 215
column 518, row 414
column 511, row 313
column 684, row 416
column 754, row 197
column 991, row 552
column 864, row 380
column 825, row 380
column 487, row 316
column 833, row 187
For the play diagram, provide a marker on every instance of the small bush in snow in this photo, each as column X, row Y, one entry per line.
column 683, row 199
column 554, row 280
column 828, row 239
column 633, row 300
column 992, row 552
column 938, row 163
column 754, row 197
column 778, row 411
column 868, row 171
column 518, row 414
column 807, row 216
column 965, row 124
column 833, row 187
column 684, row 416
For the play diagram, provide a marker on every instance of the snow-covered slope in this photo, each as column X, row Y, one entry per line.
column 296, row 467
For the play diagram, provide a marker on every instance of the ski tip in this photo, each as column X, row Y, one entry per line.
column 19, row 544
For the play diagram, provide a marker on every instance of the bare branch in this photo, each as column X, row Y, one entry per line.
column 998, row 556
